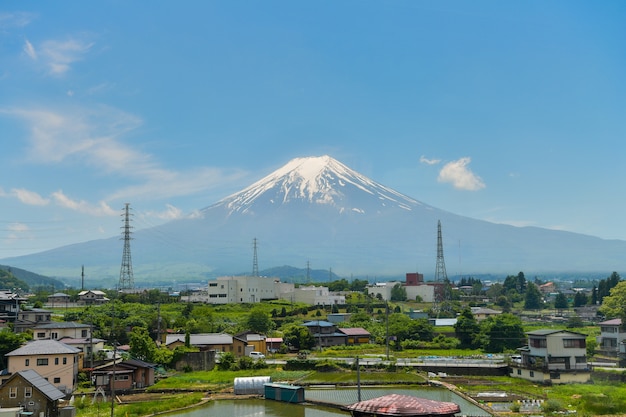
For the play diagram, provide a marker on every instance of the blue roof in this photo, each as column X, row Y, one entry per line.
column 320, row 323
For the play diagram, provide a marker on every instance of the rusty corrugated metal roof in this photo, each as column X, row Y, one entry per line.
column 405, row 405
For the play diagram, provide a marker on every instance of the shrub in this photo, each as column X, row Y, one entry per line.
column 327, row 366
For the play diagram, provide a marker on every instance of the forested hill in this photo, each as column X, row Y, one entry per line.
column 11, row 277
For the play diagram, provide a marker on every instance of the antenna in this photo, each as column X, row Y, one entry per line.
column 126, row 271
column 255, row 260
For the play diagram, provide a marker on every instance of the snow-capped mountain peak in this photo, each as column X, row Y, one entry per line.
column 317, row 180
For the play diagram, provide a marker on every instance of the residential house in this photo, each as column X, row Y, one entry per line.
column 86, row 346
column 92, row 297
column 59, row 329
column 128, row 374
column 28, row 319
column 32, row 393
column 483, row 313
column 325, row 333
column 58, row 299
column 221, row 342
column 254, row 341
column 553, row 356
column 356, row 335
column 56, row 361
column 612, row 338
column 274, row 344
column 10, row 305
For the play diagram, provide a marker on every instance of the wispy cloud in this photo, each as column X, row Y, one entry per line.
column 58, row 56
column 170, row 213
column 30, row 198
column 92, row 140
column 428, row 161
column 29, row 49
column 100, row 209
column 460, row 176
column 15, row 19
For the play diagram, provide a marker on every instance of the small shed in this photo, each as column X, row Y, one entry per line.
column 284, row 392
column 403, row 405
column 251, row 385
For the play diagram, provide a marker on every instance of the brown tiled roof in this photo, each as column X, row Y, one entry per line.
column 405, row 405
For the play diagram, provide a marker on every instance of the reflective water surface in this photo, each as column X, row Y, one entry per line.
column 270, row 408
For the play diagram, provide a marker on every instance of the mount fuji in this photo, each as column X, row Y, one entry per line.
column 316, row 211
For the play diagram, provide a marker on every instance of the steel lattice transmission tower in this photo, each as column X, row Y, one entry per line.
column 440, row 271
column 255, row 261
column 126, row 271
column 442, row 291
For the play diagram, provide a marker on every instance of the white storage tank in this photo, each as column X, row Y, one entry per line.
column 251, row 385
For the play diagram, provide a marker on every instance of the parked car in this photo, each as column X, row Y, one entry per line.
column 257, row 355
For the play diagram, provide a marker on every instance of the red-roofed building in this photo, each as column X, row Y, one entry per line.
column 402, row 405
column 356, row 335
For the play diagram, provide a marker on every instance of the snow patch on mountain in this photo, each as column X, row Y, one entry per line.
column 319, row 180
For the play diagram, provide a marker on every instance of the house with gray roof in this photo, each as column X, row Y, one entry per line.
column 59, row 329
column 31, row 392
column 57, row 361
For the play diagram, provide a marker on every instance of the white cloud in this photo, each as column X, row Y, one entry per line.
column 91, row 139
column 60, row 55
column 460, row 176
column 18, row 227
column 30, row 50
column 30, row 198
column 15, row 19
column 100, row 209
column 427, row 161
column 170, row 213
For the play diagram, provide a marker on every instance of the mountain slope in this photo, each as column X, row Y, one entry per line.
column 318, row 211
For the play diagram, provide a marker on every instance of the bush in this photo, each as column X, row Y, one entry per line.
column 552, row 406
column 227, row 360
column 299, row 365
column 327, row 366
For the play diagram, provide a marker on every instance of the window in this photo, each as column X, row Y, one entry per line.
column 54, row 335
column 83, row 333
column 28, row 392
column 42, row 362
column 26, row 362
column 519, row 371
column 64, row 361
column 41, row 335
column 532, row 374
column 12, row 392
column 121, row 377
column 213, row 284
column 57, row 380
column 574, row 343
column 56, row 361
column 538, row 343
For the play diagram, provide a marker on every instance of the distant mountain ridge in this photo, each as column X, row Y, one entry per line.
column 316, row 211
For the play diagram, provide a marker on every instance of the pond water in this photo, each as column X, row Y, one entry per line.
column 270, row 408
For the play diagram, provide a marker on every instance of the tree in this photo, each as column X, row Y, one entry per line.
column 467, row 329
column 502, row 332
column 614, row 305
column 560, row 302
column 533, row 299
column 580, row 299
column 398, row 293
column 259, row 321
column 141, row 345
column 9, row 341
column 298, row 337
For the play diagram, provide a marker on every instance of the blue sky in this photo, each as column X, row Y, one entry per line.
column 512, row 112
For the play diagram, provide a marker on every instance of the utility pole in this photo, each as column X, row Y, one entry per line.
column 126, row 271
column 82, row 278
